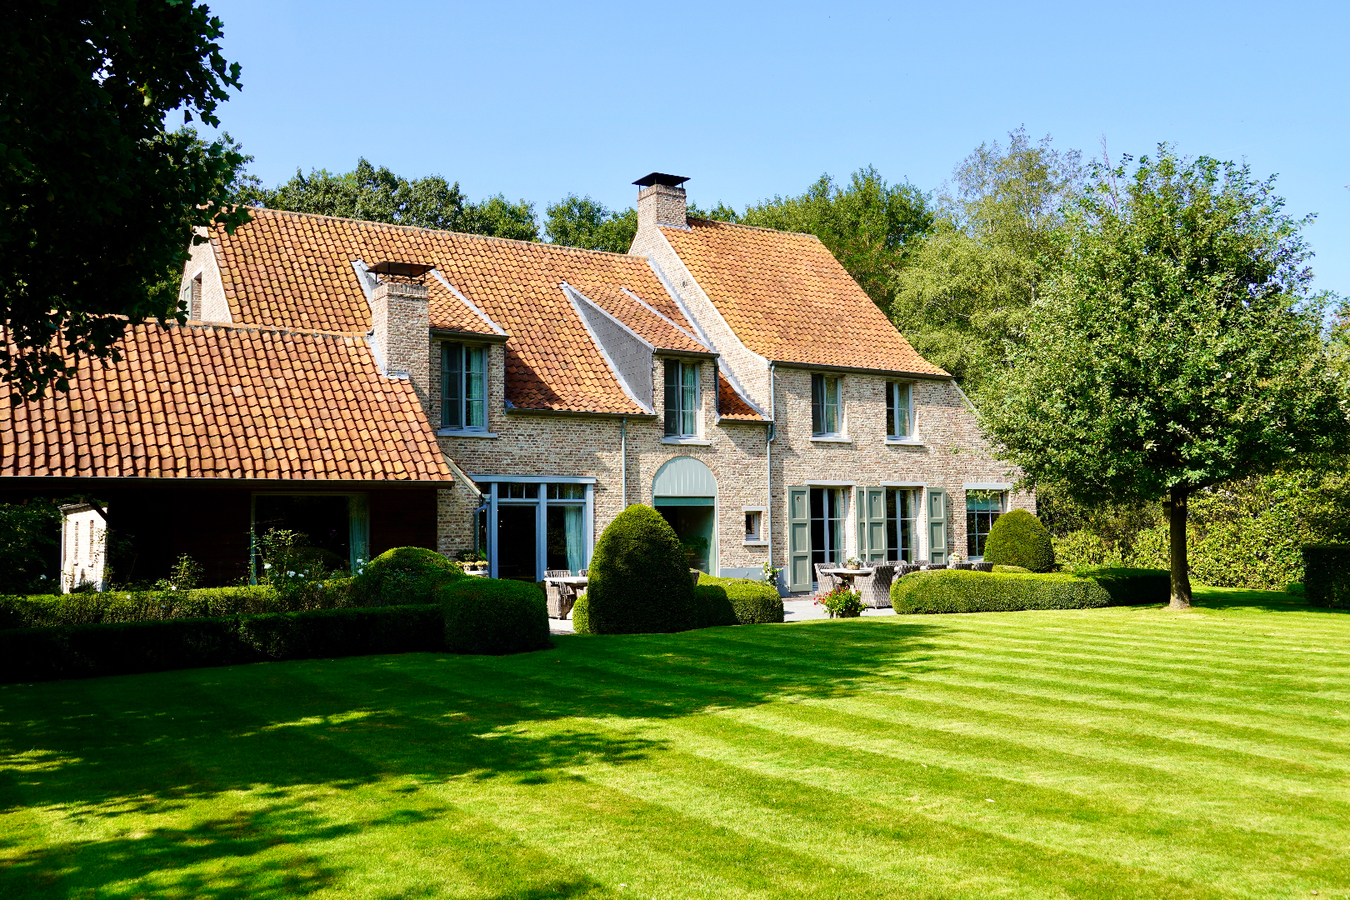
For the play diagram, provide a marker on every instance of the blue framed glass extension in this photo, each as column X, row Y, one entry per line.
column 528, row 524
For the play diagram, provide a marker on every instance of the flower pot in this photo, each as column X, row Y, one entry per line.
column 845, row 615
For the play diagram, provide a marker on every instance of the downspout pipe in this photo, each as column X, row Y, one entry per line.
column 769, row 435
column 623, row 457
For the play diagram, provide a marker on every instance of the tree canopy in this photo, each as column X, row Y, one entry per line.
column 582, row 222
column 378, row 195
column 963, row 297
column 100, row 200
column 1177, row 346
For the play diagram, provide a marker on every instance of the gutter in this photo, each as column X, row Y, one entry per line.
column 769, row 435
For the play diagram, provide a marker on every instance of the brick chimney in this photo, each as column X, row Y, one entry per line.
column 661, row 201
column 401, row 339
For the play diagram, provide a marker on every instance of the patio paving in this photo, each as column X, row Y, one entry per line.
column 796, row 608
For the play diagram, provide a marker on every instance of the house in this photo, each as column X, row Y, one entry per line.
column 734, row 377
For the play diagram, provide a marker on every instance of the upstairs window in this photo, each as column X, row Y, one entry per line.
column 824, row 405
column 681, row 399
column 899, row 410
column 463, row 387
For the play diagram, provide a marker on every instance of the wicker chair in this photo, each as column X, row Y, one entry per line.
column 928, row 567
column 904, row 568
column 876, row 588
column 983, row 566
column 825, row 583
column 561, row 597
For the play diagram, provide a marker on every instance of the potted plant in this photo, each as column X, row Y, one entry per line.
column 853, row 563
column 842, row 603
column 471, row 562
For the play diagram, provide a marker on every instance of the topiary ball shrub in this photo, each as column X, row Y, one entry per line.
column 1018, row 538
column 736, row 601
column 493, row 616
column 402, row 576
column 581, row 616
column 638, row 582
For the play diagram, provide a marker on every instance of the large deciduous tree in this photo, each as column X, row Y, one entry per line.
column 1178, row 345
column 963, row 297
column 100, row 201
column 379, row 195
column 582, row 222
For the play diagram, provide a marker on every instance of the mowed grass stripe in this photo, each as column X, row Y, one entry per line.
column 904, row 829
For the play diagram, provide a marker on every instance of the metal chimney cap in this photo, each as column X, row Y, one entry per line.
column 660, row 178
column 401, row 269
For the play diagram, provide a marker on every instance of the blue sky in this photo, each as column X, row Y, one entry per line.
column 752, row 100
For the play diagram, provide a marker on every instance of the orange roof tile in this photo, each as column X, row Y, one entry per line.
column 551, row 360
column 226, row 402
column 730, row 405
column 788, row 299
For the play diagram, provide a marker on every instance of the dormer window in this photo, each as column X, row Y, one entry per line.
column 681, row 399
column 899, row 410
column 463, row 387
column 824, row 406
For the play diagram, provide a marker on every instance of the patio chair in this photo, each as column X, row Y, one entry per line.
column 558, row 573
column 825, row 583
column 561, row 598
column 876, row 588
column 983, row 566
column 928, row 567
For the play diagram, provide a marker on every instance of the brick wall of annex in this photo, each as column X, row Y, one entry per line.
column 950, row 452
column 523, row 443
column 215, row 307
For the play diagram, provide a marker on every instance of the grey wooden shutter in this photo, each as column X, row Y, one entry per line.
column 872, row 535
column 799, row 572
column 937, row 526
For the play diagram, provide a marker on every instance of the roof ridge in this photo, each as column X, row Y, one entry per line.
column 247, row 326
column 419, row 228
column 751, row 227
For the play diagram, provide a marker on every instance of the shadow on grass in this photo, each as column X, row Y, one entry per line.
column 109, row 750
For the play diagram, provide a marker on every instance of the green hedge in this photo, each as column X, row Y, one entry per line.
column 51, row 610
column 1018, row 538
column 489, row 615
column 958, row 590
column 1011, row 570
column 735, row 601
column 1326, row 575
column 85, row 651
column 638, row 581
column 581, row 614
column 404, row 575
column 1131, row 587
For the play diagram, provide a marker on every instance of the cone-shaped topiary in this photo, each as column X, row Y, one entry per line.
column 1018, row 538
column 638, row 581
column 403, row 575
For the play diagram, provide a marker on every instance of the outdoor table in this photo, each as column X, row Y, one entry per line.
column 848, row 574
column 574, row 580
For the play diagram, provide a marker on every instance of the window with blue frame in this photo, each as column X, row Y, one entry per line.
column 681, row 405
column 463, row 387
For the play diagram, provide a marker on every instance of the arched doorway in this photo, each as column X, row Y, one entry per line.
column 685, row 493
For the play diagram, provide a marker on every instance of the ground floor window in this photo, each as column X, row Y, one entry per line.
column 982, row 508
column 827, row 526
column 529, row 526
column 330, row 531
column 902, row 529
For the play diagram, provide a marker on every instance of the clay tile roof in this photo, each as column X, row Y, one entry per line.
column 788, row 299
column 294, row 270
column 226, row 402
column 731, row 405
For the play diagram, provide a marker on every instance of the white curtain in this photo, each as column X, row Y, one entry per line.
column 574, row 529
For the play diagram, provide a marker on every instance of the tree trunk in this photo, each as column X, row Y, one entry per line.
column 1177, row 505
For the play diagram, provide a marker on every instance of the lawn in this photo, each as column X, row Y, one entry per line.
column 1094, row 753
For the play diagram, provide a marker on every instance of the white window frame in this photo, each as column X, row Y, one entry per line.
column 895, row 391
column 759, row 538
column 683, row 415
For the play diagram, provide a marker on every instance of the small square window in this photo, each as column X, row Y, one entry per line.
column 754, row 525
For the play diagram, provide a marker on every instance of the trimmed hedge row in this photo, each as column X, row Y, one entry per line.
column 86, row 651
column 735, row 601
column 488, row 615
column 1326, row 575
column 959, row 590
column 52, row 610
